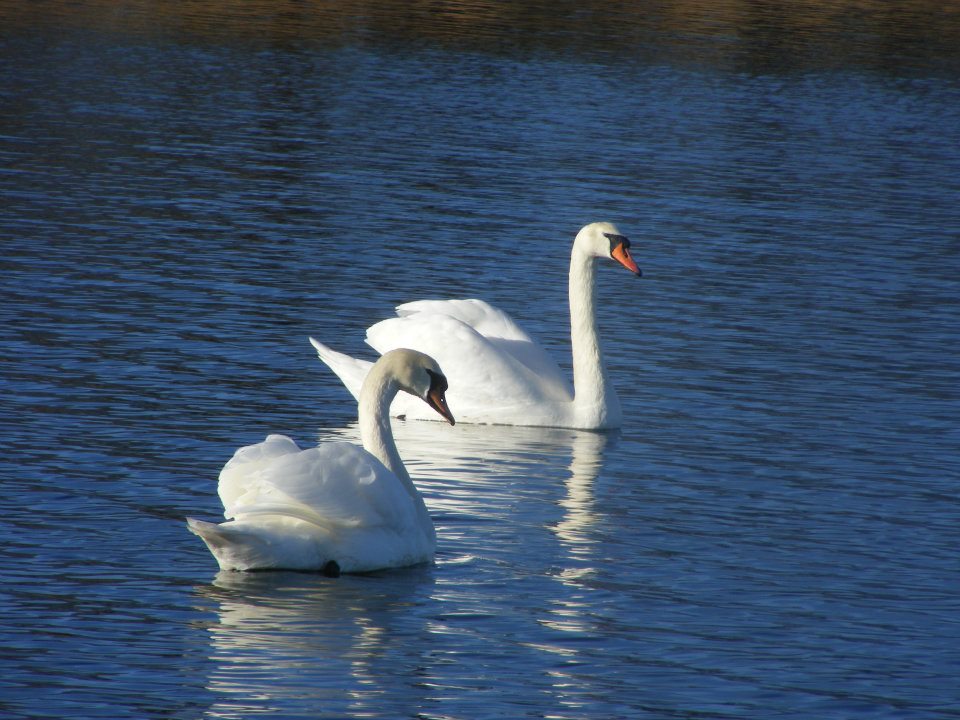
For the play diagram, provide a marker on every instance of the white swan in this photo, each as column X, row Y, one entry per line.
column 334, row 507
column 498, row 374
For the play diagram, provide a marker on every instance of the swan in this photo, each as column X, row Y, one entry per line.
column 499, row 375
column 335, row 507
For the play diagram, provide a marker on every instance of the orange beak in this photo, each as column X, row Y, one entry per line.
column 438, row 402
column 622, row 255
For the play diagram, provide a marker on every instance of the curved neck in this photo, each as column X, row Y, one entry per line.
column 377, row 393
column 590, row 385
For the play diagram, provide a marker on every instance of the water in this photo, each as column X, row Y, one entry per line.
column 188, row 193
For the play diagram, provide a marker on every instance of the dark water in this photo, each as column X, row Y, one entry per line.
column 189, row 190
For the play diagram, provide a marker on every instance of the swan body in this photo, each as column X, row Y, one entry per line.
column 335, row 507
column 498, row 373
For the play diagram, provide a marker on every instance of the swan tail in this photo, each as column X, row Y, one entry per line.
column 237, row 548
column 350, row 370
column 211, row 533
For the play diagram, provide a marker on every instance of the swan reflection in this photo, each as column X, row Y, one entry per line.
column 285, row 640
column 578, row 503
column 511, row 475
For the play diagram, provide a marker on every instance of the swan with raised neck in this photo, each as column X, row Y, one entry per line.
column 595, row 401
column 498, row 374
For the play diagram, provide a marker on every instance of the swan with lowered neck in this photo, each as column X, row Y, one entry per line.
column 335, row 507
column 498, row 373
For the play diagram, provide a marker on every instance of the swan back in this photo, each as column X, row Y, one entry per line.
column 301, row 509
column 317, row 485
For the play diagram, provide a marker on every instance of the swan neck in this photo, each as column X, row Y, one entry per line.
column 590, row 384
column 376, row 435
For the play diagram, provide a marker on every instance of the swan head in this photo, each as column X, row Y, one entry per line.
column 419, row 374
column 602, row 239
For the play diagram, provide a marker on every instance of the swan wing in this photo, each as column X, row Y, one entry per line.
column 483, row 317
column 332, row 485
column 483, row 373
column 498, row 328
column 239, row 475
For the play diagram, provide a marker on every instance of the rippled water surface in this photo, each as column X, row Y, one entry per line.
column 187, row 191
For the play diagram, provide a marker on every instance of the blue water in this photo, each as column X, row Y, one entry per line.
column 187, row 193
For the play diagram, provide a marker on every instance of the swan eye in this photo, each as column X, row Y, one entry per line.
column 438, row 381
column 616, row 240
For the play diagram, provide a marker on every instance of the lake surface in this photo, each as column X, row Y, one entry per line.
column 188, row 191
